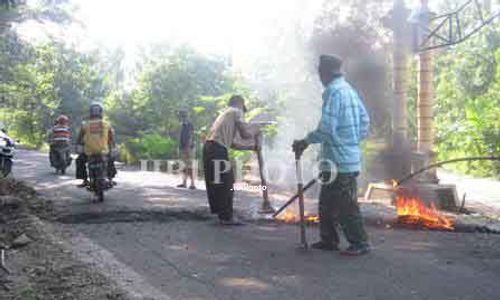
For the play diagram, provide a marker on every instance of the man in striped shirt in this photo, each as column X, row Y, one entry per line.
column 344, row 124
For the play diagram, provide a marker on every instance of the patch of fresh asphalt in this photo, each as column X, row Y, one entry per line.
column 191, row 257
column 128, row 216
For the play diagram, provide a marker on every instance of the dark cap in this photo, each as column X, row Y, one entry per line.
column 331, row 63
column 237, row 99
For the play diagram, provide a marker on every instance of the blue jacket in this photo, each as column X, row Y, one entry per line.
column 343, row 125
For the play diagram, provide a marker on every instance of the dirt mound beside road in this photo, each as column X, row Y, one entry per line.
column 36, row 264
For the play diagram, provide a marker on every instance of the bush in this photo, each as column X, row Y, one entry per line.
column 148, row 146
column 468, row 107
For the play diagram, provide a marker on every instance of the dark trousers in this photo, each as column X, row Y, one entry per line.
column 338, row 205
column 220, row 194
column 81, row 167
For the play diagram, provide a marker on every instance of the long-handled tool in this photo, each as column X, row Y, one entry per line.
column 266, row 207
column 300, row 193
column 294, row 197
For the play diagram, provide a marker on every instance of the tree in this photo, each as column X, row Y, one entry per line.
column 169, row 80
column 52, row 79
column 468, row 97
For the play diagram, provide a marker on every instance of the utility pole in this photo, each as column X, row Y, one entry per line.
column 398, row 18
column 398, row 155
column 425, row 103
column 426, row 97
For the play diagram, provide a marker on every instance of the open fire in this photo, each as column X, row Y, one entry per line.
column 412, row 210
column 292, row 217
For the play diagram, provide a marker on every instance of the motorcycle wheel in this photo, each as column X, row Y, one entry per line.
column 6, row 167
column 63, row 171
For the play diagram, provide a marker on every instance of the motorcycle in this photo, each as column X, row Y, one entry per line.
column 60, row 157
column 98, row 176
column 7, row 147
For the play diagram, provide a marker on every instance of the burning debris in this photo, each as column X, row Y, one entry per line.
column 291, row 216
column 412, row 210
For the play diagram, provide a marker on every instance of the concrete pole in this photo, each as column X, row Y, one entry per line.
column 397, row 158
column 400, row 73
column 425, row 104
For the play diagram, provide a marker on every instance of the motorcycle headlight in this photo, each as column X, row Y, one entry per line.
column 3, row 143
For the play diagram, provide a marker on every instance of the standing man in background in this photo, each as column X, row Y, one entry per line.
column 219, row 174
column 344, row 123
column 186, row 147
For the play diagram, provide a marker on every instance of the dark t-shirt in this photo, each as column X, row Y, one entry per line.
column 186, row 138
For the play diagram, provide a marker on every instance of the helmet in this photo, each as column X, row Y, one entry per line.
column 96, row 110
column 63, row 120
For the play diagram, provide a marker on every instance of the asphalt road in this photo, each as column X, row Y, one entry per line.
column 159, row 242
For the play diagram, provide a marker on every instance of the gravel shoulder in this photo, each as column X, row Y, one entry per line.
column 39, row 264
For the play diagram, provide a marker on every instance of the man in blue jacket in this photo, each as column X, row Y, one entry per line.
column 344, row 124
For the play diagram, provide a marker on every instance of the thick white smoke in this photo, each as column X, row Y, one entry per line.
column 284, row 73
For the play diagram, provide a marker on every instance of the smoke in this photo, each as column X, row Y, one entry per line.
column 285, row 75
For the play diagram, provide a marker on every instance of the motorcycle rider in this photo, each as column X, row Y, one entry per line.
column 7, row 145
column 96, row 137
column 59, row 136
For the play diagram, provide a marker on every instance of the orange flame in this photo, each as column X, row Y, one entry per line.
column 412, row 210
column 291, row 217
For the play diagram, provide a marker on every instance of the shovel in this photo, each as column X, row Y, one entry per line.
column 300, row 193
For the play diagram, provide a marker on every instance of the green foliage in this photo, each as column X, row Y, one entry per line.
column 148, row 146
column 171, row 80
column 239, row 156
column 468, row 97
column 44, row 81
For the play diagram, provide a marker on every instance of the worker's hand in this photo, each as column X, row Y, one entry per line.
column 299, row 146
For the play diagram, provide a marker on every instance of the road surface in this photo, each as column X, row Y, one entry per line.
column 159, row 242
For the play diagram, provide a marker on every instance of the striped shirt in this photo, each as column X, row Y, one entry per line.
column 60, row 134
column 343, row 125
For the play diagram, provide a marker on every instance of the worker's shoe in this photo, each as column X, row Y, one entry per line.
column 321, row 245
column 182, row 185
column 356, row 250
column 192, row 187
